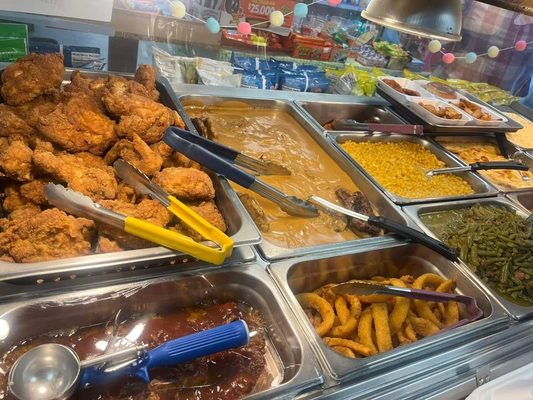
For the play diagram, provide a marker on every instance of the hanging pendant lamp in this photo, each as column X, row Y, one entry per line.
column 434, row 19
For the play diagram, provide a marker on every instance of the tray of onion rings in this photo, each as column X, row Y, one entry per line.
column 357, row 334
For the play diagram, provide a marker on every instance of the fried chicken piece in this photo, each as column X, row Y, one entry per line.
column 34, row 190
column 13, row 199
column 357, row 202
column 210, row 212
column 49, row 235
column 97, row 183
column 11, row 125
column 146, row 76
column 126, row 194
column 78, row 125
column 31, row 76
column 41, row 106
column 137, row 153
column 16, row 159
column 173, row 158
column 138, row 114
column 188, row 184
column 25, row 212
column 107, row 245
column 82, row 83
column 148, row 210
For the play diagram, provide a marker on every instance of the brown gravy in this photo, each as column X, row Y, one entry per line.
column 275, row 135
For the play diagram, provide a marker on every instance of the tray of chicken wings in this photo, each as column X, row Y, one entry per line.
column 68, row 128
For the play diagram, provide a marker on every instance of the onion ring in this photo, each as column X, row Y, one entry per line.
column 451, row 316
column 410, row 332
column 381, row 324
column 351, row 344
column 401, row 308
column 423, row 327
column 422, row 307
column 364, row 330
column 314, row 301
column 344, row 351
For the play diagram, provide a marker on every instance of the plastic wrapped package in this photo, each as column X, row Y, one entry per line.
column 276, row 362
column 217, row 73
column 305, row 81
column 267, row 80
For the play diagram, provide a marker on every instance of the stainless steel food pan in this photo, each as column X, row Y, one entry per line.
column 512, row 152
column 289, row 357
column 383, row 205
column 323, row 112
column 241, row 229
column 481, row 187
column 309, row 273
column 414, row 212
column 525, row 199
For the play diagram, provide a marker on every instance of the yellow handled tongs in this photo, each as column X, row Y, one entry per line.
column 77, row 204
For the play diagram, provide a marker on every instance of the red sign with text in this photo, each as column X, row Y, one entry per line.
column 261, row 9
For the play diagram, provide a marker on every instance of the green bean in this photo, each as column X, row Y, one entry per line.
column 495, row 242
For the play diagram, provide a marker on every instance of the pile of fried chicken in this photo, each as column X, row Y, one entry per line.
column 72, row 135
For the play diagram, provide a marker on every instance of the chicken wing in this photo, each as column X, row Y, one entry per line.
column 138, row 114
column 16, row 159
column 107, row 245
column 47, row 235
column 137, row 153
column 77, row 124
column 188, row 184
column 148, row 210
column 97, row 183
column 32, row 76
column 145, row 75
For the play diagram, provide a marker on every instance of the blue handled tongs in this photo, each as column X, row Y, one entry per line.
column 220, row 159
column 257, row 166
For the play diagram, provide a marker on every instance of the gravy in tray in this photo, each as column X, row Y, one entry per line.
column 274, row 135
column 229, row 374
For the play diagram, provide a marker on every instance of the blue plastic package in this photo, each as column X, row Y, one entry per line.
column 304, row 82
column 310, row 74
column 292, row 66
column 267, row 80
column 251, row 63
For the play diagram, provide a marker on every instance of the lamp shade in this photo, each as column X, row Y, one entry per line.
column 434, row 19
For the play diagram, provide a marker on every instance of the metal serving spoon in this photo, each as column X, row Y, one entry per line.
column 54, row 372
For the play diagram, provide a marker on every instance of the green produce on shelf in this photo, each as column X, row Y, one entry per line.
column 390, row 49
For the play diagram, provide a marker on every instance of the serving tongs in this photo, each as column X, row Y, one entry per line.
column 353, row 125
column 363, row 288
column 77, row 204
column 178, row 139
column 389, row 225
column 478, row 166
column 257, row 166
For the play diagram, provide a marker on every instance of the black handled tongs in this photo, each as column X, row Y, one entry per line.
column 401, row 230
column 479, row 166
column 178, row 139
column 257, row 166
